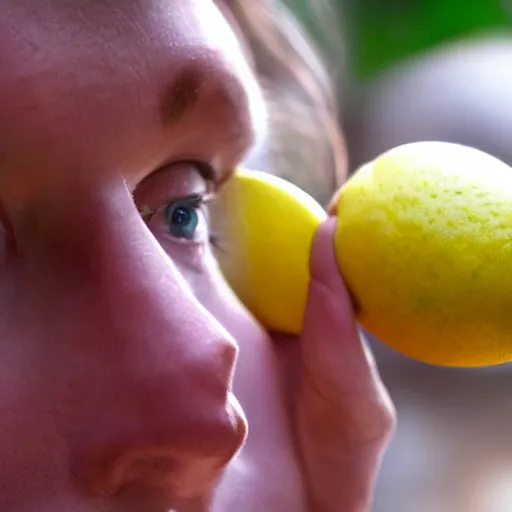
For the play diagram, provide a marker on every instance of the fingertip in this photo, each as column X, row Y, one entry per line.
column 324, row 267
column 332, row 207
column 323, row 264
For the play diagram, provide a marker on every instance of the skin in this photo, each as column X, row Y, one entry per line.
column 122, row 347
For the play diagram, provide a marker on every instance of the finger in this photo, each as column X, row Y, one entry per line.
column 344, row 412
column 332, row 207
column 333, row 350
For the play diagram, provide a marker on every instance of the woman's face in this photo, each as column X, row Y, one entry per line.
column 116, row 118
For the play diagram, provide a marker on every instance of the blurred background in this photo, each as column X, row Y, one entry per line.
column 410, row 70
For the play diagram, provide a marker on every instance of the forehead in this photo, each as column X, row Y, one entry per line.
column 114, row 79
column 51, row 45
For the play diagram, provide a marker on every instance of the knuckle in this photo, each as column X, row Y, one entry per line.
column 372, row 421
column 361, row 418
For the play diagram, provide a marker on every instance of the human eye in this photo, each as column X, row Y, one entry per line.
column 184, row 216
column 184, row 219
column 173, row 202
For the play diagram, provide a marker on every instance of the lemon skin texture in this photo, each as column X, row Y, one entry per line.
column 424, row 242
column 265, row 229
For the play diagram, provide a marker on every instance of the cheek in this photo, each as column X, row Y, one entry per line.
column 210, row 288
column 220, row 300
column 27, row 412
column 193, row 260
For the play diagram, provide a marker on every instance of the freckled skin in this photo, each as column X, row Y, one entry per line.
column 119, row 342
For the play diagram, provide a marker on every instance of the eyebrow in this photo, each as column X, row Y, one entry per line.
column 180, row 96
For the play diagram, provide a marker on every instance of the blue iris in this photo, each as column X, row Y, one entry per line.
column 182, row 218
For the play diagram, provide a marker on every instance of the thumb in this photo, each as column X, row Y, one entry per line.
column 345, row 417
column 333, row 350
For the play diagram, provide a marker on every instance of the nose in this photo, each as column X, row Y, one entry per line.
column 151, row 368
column 176, row 453
column 172, row 432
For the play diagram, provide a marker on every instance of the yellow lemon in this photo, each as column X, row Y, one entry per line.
column 423, row 240
column 266, row 226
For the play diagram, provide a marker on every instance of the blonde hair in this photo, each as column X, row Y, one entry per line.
column 305, row 144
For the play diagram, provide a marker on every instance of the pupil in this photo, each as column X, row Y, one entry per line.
column 181, row 216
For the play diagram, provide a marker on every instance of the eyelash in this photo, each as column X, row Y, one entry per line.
column 194, row 200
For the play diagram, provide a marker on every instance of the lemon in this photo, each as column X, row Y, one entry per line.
column 423, row 240
column 265, row 228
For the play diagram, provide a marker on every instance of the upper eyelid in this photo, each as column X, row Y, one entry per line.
column 213, row 180
column 212, row 176
column 200, row 198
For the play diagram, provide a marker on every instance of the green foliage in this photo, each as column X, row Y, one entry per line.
column 387, row 31
column 382, row 32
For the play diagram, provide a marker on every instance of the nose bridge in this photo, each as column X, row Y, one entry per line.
column 167, row 420
column 99, row 248
column 123, row 281
column 162, row 408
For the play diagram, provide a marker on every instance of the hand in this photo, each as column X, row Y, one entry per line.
column 342, row 414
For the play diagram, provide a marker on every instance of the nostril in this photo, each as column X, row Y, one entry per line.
column 173, row 477
column 181, row 477
column 148, row 470
column 184, row 464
